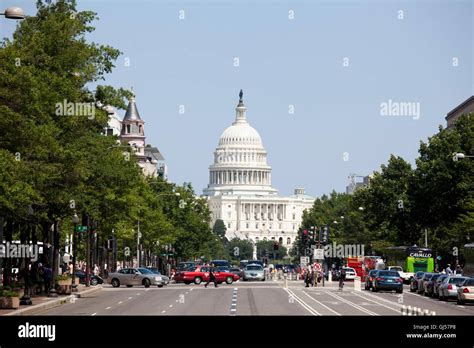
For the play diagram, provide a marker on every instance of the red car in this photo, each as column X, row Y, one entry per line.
column 200, row 274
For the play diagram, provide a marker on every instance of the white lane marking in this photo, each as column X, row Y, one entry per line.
column 233, row 310
column 235, row 289
column 171, row 305
column 130, row 297
column 177, row 300
column 147, row 290
column 108, row 307
column 332, row 310
column 302, row 303
column 352, row 304
column 93, row 314
column 191, row 289
column 233, row 304
column 186, row 292
column 138, row 294
column 119, row 302
column 378, row 303
column 163, row 311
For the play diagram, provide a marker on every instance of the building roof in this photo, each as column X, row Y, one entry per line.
column 154, row 153
column 132, row 111
column 460, row 106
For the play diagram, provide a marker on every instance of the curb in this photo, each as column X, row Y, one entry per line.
column 51, row 304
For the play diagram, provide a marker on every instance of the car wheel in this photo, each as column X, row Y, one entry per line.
column 229, row 280
column 263, row 279
column 160, row 286
column 197, row 280
column 146, row 282
column 115, row 283
column 94, row 281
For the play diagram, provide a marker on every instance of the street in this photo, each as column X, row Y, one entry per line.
column 251, row 298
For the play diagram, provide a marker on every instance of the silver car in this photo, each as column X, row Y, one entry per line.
column 253, row 272
column 135, row 276
column 449, row 287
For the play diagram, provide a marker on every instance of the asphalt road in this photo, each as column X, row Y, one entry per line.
column 251, row 298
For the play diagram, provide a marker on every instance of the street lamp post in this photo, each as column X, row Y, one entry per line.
column 457, row 156
column 13, row 13
column 25, row 299
column 75, row 221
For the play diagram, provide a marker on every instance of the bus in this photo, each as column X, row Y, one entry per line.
column 411, row 259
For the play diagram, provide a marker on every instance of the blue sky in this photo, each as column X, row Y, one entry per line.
column 286, row 62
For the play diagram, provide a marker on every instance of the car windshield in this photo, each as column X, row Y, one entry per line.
column 349, row 270
column 154, row 270
column 456, row 281
column 254, row 268
column 398, row 269
column 389, row 274
column 469, row 282
column 145, row 271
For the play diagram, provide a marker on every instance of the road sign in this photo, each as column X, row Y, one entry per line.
column 81, row 228
column 318, row 254
column 304, row 260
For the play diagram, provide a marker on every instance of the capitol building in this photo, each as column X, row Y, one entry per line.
column 240, row 188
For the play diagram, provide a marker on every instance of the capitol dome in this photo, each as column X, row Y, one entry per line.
column 240, row 160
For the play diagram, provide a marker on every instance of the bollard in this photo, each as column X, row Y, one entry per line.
column 357, row 286
column 410, row 310
column 404, row 310
column 330, row 277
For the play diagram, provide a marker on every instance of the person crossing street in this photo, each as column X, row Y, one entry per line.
column 212, row 278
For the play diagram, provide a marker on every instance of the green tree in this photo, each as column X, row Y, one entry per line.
column 240, row 249
column 219, row 229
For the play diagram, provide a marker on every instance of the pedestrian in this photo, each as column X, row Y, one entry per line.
column 212, row 278
column 96, row 270
column 458, row 269
column 449, row 271
column 47, row 274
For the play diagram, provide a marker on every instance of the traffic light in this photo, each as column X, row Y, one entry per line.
column 325, row 235
column 305, row 236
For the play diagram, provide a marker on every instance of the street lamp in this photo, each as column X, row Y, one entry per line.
column 457, row 156
column 75, row 221
column 25, row 299
column 13, row 13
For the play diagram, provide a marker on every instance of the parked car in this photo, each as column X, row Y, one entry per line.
column 237, row 271
column 199, row 274
column 253, row 272
column 406, row 276
column 155, row 270
column 369, row 278
column 423, row 282
column 430, row 284
column 449, row 288
column 183, row 266
column 95, row 279
column 350, row 273
column 414, row 281
column 388, row 280
column 135, row 276
column 437, row 283
column 466, row 291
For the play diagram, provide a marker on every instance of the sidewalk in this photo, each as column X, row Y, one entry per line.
column 41, row 303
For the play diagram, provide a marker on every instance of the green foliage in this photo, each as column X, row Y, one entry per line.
column 52, row 165
column 267, row 245
column 240, row 249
